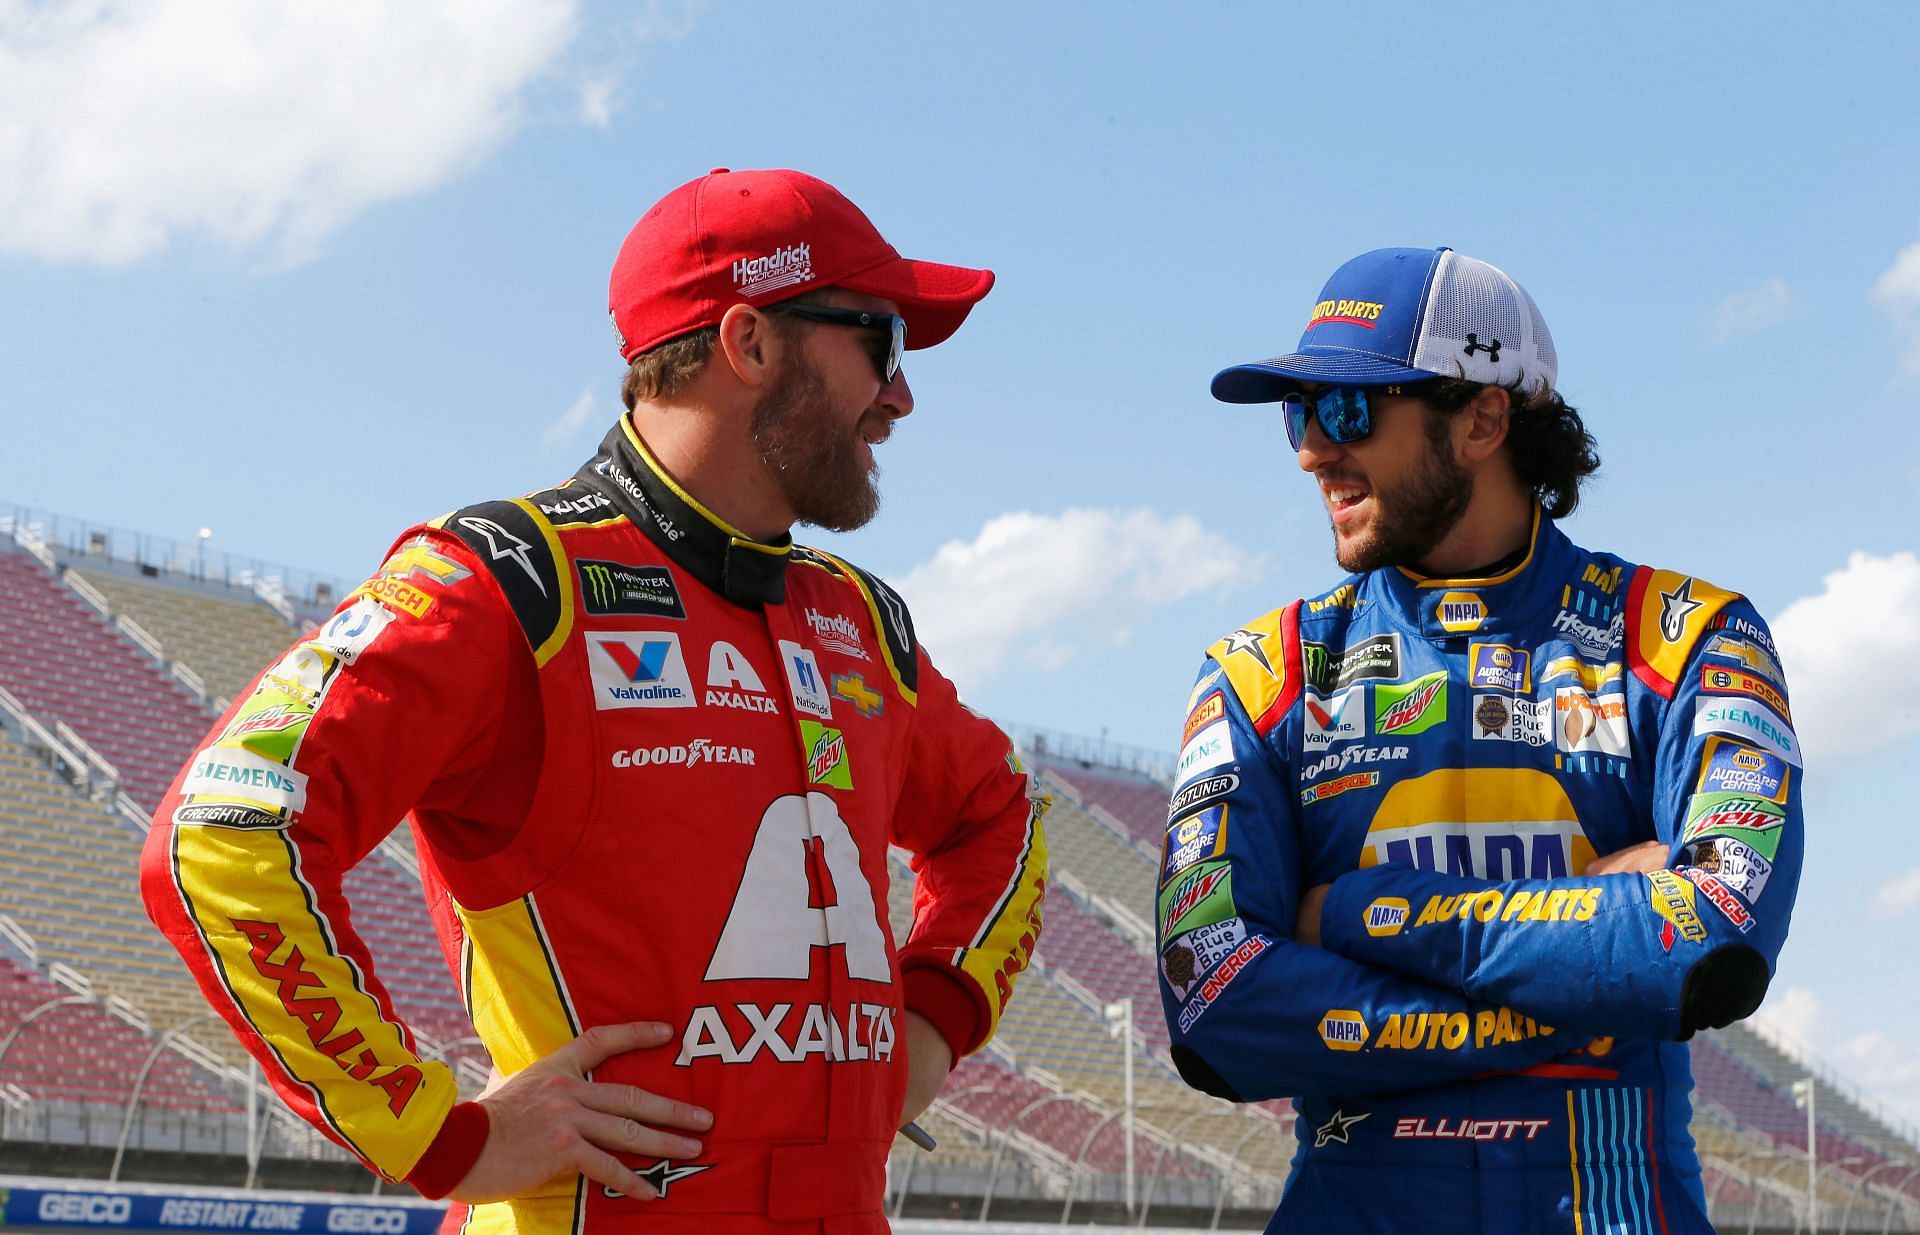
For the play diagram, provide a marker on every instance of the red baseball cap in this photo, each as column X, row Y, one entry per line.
column 755, row 237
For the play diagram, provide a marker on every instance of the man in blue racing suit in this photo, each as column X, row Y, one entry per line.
column 1463, row 850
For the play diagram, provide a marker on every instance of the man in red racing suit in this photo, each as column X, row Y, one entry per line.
column 653, row 761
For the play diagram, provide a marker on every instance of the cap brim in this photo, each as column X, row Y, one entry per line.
column 1267, row 381
column 934, row 298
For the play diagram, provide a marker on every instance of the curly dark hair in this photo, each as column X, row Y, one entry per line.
column 1552, row 450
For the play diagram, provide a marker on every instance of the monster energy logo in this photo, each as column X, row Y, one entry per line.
column 614, row 587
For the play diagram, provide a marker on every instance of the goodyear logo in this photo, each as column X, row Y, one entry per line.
column 1343, row 1029
column 1386, row 916
column 1347, row 312
column 1460, row 612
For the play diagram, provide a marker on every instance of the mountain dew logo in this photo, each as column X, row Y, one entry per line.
column 1413, row 708
column 826, row 752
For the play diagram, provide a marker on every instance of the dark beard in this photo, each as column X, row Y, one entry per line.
column 1415, row 515
column 816, row 464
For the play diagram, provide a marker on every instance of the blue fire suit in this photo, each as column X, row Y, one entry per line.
column 1486, row 1037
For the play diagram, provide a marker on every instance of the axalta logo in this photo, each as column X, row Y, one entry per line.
column 1347, row 312
column 1343, row 1029
column 790, row 1033
column 685, row 755
column 783, row 267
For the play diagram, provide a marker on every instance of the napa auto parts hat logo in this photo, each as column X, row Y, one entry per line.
column 1346, row 312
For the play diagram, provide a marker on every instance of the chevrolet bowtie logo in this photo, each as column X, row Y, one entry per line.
column 854, row 689
column 420, row 559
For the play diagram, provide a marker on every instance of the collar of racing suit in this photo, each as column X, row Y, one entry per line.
column 745, row 571
column 1513, row 601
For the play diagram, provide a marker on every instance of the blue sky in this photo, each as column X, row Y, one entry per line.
column 312, row 277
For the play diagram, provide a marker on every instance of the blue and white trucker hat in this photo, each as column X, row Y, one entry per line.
column 1402, row 315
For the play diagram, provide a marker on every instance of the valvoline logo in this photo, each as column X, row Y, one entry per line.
column 643, row 665
column 636, row 669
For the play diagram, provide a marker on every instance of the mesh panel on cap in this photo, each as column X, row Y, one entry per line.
column 1472, row 307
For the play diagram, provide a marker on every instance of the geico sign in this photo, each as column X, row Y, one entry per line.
column 85, row 1207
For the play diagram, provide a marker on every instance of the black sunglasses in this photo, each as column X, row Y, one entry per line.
column 859, row 319
column 1344, row 412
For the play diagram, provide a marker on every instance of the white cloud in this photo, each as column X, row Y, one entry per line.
column 1864, row 627
column 582, row 412
column 1897, row 895
column 1750, row 311
column 1897, row 291
column 130, row 125
column 1789, row 1018
column 1042, row 589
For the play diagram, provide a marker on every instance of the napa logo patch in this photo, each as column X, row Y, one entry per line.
column 1460, row 613
column 1344, row 1029
column 1487, row 823
column 1499, row 666
column 1386, row 916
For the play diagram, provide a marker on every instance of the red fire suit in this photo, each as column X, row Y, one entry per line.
column 653, row 768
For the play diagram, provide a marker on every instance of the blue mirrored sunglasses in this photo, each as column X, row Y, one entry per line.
column 1344, row 412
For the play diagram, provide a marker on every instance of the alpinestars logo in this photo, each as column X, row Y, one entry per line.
column 781, row 268
column 502, row 544
column 1675, row 606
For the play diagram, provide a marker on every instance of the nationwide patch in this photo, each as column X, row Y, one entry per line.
column 1496, row 666
column 1753, row 820
column 826, row 753
column 616, row 588
column 1734, row 767
column 1193, row 839
column 1414, row 707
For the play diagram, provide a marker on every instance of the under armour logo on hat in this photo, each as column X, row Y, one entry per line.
column 1475, row 345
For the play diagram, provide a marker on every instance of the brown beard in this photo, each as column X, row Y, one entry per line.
column 814, row 460
column 1416, row 514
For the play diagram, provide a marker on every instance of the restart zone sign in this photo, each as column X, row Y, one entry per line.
column 59, row 1207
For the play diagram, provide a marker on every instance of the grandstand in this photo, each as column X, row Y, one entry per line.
column 114, row 657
